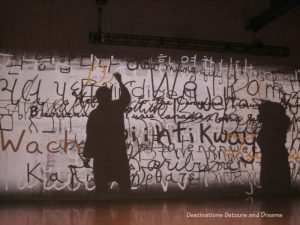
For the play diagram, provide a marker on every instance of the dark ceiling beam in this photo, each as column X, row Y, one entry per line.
column 188, row 44
column 182, row 43
column 276, row 9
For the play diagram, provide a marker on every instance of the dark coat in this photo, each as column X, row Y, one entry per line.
column 105, row 130
column 275, row 171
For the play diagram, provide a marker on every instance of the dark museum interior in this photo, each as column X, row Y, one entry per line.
column 242, row 140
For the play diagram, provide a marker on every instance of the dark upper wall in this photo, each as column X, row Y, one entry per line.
column 64, row 25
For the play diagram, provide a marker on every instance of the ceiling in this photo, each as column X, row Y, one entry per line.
column 65, row 25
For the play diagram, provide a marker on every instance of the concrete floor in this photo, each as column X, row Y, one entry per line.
column 180, row 211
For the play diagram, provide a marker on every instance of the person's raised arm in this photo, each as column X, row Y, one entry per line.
column 125, row 97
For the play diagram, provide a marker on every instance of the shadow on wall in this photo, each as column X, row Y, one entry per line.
column 275, row 175
column 106, row 139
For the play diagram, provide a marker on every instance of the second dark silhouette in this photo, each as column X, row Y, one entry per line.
column 275, row 175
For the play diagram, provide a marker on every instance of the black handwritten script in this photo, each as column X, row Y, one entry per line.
column 191, row 124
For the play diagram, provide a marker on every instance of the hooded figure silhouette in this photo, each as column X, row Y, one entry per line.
column 275, row 175
column 105, row 141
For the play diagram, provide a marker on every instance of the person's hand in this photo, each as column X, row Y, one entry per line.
column 118, row 77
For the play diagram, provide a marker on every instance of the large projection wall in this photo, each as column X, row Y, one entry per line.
column 191, row 124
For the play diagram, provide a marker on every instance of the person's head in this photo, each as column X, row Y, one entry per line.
column 273, row 113
column 104, row 94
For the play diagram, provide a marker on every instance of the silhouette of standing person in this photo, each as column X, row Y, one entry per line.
column 275, row 175
column 105, row 141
